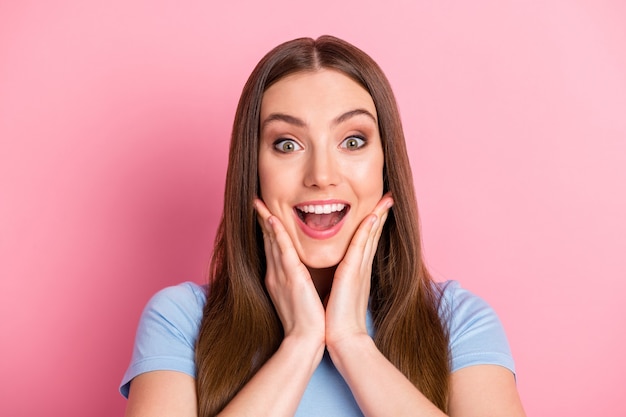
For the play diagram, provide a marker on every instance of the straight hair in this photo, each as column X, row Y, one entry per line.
column 240, row 329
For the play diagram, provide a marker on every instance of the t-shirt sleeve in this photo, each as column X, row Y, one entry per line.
column 167, row 332
column 477, row 336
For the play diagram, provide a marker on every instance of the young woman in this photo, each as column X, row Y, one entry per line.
column 318, row 302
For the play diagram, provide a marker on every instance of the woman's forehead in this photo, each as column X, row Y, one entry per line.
column 322, row 89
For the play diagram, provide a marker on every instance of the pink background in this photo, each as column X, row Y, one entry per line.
column 114, row 123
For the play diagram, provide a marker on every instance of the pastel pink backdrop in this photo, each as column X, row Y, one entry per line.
column 114, row 125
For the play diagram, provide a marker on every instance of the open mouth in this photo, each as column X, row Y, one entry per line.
column 322, row 216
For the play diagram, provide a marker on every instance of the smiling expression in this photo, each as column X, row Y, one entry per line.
column 320, row 161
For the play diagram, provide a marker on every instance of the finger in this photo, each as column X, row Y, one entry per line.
column 268, row 223
column 276, row 238
column 375, row 234
column 371, row 225
column 383, row 206
column 284, row 246
column 381, row 211
column 371, row 232
column 358, row 244
column 263, row 217
column 268, row 243
column 263, row 214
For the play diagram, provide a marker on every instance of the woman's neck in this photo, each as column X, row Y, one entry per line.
column 323, row 280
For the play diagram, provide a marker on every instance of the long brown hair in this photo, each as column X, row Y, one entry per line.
column 240, row 329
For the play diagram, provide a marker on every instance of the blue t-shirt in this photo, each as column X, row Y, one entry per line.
column 170, row 322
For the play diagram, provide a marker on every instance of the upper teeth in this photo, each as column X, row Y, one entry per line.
column 322, row 208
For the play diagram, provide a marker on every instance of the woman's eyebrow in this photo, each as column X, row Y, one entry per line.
column 284, row 118
column 292, row 120
column 353, row 113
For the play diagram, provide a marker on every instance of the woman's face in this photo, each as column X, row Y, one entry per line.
column 320, row 161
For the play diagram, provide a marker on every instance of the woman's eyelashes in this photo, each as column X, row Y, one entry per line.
column 351, row 143
column 286, row 145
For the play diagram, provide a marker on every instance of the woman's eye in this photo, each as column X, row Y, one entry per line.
column 286, row 145
column 353, row 143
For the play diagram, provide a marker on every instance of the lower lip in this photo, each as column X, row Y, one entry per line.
column 320, row 234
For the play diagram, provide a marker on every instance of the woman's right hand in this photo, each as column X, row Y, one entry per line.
column 289, row 283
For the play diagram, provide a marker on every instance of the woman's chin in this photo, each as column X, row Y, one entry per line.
column 321, row 254
column 322, row 261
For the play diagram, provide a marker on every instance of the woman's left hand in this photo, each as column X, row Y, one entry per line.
column 346, row 306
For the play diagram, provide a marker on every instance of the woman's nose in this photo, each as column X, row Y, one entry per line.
column 322, row 170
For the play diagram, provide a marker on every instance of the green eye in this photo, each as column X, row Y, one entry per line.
column 353, row 143
column 286, row 145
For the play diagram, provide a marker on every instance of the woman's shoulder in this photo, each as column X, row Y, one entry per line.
column 457, row 300
column 477, row 335
column 174, row 312
column 167, row 332
column 186, row 294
